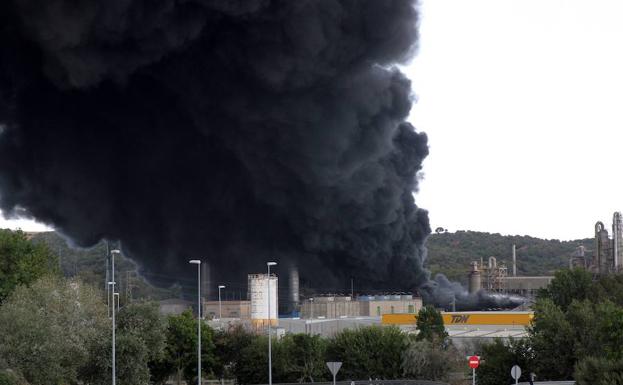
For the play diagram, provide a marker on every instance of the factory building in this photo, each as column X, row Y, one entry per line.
column 493, row 277
column 466, row 327
column 608, row 253
column 228, row 309
column 363, row 306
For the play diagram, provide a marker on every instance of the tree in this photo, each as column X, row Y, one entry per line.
column 21, row 261
column 553, row 340
column 426, row 360
column 251, row 368
column 430, row 325
column 499, row 357
column 599, row 371
column 144, row 321
column 140, row 342
column 370, row 352
column 46, row 329
column 230, row 344
column 301, row 358
column 568, row 285
column 180, row 352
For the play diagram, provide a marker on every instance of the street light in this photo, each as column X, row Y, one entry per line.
column 112, row 284
column 198, row 263
column 112, row 275
column 219, row 301
column 270, row 363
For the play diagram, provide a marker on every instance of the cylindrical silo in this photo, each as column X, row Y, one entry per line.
column 293, row 292
column 474, row 279
column 259, row 287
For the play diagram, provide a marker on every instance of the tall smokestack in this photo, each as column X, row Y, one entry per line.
column 514, row 262
column 474, row 279
column 206, row 282
column 617, row 240
column 293, row 289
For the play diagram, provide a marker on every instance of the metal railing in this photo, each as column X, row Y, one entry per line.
column 369, row 382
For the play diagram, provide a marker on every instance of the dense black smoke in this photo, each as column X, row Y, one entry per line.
column 452, row 296
column 231, row 131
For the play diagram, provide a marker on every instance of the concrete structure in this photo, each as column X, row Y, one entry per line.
column 493, row 277
column 608, row 253
column 174, row 306
column 258, row 294
column 364, row 306
column 326, row 327
column 471, row 318
column 525, row 286
column 474, row 280
column 292, row 306
column 378, row 307
column 465, row 327
column 329, row 307
column 229, row 309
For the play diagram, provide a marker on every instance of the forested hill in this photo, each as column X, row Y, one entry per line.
column 448, row 253
column 451, row 253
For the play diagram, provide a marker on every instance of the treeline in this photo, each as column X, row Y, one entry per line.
column 448, row 253
column 451, row 253
column 57, row 331
column 577, row 334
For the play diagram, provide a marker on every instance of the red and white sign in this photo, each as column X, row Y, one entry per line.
column 474, row 361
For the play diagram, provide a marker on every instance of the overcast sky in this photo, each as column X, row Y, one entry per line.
column 523, row 105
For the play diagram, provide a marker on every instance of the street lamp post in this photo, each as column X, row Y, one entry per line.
column 112, row 275
column 198, row 263
column 219, row 301
column 114, row 379
column 270, row 363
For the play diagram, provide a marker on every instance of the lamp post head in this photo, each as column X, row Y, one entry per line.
column 195, row 262
column 271, row 263
column 111, row 283
column 221, row 286
column 115, row 251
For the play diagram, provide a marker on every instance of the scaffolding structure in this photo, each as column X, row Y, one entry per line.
column 492, row 275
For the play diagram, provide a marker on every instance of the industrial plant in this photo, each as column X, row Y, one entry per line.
column 607, row 254
column 493, row 277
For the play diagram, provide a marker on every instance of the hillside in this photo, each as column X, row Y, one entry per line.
column 448, row 253
column 451, row 253
column 90, row 265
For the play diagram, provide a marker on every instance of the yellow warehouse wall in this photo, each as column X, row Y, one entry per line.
column 466, row 318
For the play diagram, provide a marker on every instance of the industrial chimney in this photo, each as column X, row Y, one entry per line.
column 293, row 289
column 474, row 279
column 617, row 239
column 514, row 262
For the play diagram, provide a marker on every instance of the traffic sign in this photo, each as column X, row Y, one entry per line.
column 515, row 372
column 334, row 367
column 474, row 361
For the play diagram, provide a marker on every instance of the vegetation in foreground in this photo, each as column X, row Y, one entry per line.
column 55, row 330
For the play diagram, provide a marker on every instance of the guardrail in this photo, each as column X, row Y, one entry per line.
column 549, row 383
column 369, row 382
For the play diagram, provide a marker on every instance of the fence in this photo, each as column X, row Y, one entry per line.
column 370, row 382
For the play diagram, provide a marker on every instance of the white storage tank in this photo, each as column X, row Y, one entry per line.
column 259, row 287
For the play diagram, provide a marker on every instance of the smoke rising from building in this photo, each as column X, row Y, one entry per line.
column 231, row 131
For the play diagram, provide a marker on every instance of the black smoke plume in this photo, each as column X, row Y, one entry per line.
column 232, row 131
